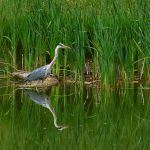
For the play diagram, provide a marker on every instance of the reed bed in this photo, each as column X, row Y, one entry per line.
column 114, row 35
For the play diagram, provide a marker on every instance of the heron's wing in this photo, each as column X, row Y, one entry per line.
column 37, row 74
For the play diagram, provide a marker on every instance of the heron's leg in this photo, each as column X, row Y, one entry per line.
column 43, row 80
column 40, row 82
column 37, row 85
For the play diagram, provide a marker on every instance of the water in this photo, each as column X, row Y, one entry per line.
column 74, row 117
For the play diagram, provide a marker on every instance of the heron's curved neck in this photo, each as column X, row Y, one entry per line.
column 54, row 59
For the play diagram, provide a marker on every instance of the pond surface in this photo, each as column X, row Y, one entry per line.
column 74, row 117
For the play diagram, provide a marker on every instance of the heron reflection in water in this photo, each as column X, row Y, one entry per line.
column 45, row 102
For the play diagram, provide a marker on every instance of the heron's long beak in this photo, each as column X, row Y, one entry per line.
column 67, row 47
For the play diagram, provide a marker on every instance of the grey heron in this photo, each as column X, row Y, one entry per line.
column 42, row 72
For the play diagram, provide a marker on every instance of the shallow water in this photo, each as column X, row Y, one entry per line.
column 74, row 117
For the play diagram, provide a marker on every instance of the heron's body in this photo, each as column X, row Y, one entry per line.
column 42, row 72
column 37, row 74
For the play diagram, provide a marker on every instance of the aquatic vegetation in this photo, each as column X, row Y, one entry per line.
column 114, row 35
column 95, row 118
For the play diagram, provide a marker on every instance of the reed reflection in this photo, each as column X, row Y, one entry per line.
column 44, row 101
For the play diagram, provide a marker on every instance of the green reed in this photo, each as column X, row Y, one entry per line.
column 115, row 35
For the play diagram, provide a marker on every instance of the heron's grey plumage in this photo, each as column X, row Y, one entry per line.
column 42, row 72
column 37, row 74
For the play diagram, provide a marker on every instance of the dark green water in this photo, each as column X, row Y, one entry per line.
column 74, row 117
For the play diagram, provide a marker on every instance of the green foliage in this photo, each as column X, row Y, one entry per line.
column 115, row 34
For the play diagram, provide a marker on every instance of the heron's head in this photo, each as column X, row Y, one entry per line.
column 63, row 46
